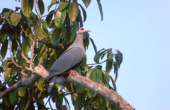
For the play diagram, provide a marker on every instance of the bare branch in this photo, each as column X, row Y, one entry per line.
column 12, row 57
column 30, row 99
column 22, row 54
column 48, row 14
column 42, row 56
column 97, row 63
column 25, row 33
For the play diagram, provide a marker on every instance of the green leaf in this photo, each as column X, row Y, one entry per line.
column 79, row 88
column 79, row 102
column 3, row 37
column 15, row 18
column 40, row 85
column 119, row 57
column 60, row 18
column 45, row 26
column 96, row 75
column 73, row 32
column 100, row 9
column 23, row 101
column 13, row 97
column 55, row 36
column 49, row 17
column 86, row 2
column 73, row 11
column 41, row 6
column 113, row 82
column 25, row 45
column 84, row 13
column 4, row 49
column 52, row 3
column 109, row 65
column 94, row 46
column 116, row 70
column 7, row 73
column 22, row 91
column 6, row 100
column 27, row 6
column 14, row 45
column 63, row 5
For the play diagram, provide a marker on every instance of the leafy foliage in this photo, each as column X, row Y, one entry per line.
column 53, row 34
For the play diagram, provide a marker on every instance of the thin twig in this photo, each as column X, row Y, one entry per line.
column 97, row 63
column 50, row 104
column 12, row 57
column 42, row 56
column 25, row 33
column 48, row 14
column 47, row 101
column 22, row 54
column 30, row 99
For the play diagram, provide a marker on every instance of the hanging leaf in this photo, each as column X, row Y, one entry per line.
column 96, row 75
column 22, row 91
column 119, row 57
column 60, row 18
column 79, row 102
column 94, row 46
column 40, row 85
column 116, row 70
column 7, row 100
column 14, row 45
column 100, row 9
column 15, row 18
column 13, row 97
column 41, row 6
column 27, row 6
column 113, row 82
column 86, row 2
column 4, row 49
column 7, row 73
column 73, row 32
column 49, row 17
column 73, row 11
column 63, row 5
column 84, row 13
column 45, row 26
column 79, row 88
column 55, row 36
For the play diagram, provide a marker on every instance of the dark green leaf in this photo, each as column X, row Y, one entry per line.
column 96, row 75
column 27, row 6
column 73, row 11
column 73, row 32
column 100, row 9
column 13, row 97
column 55, row 36
column 41, row 6
column 49, row 17
column 109, row 65
column 113, row 82
column 63, row 5
column 4, row 49
column 79, row 102
column 84, row 13
column 15, row 18
column 22, row 91
column 45, row 26
column 40, row 85
column 116, row 70
column 119, row 57
column 94, row 46
column 14, row 45
column 6, row 101
column 3, row 37
column 86, row 2
column 60, row 18
column 79, row 88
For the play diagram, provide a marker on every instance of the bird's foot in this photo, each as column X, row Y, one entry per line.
column 72, row 71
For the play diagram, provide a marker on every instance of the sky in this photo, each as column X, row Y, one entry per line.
column 140, row 29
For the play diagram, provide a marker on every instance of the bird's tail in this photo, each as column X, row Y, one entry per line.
column 51, row 84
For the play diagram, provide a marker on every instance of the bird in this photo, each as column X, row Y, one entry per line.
column 69, row 59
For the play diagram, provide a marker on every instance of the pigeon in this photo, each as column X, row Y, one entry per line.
column 68, row 60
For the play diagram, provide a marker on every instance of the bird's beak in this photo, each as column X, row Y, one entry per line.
column 88, row 31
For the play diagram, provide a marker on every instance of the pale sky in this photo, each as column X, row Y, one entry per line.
column 140, row 29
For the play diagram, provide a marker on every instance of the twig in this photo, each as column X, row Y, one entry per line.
column 48, row 14
column 25, row 58
column 36, row 6
column 66, row 101
column 12, row 57
column 25, row 33
column 30, row 99
column 97, row 63
column 50, row 104
column 4, row 66
column 42, row 56
column 47, row 101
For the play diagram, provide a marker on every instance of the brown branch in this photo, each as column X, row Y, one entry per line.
column 48, row 14
column 26, row 33
column 22, row 54
column 30, row 99
column 12, row 57
column 42, row 56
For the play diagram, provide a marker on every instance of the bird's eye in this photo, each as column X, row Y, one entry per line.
column 81, row 28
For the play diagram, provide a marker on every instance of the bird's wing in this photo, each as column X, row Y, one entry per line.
column 68, row 60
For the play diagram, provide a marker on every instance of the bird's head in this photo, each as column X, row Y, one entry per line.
column 83, row 30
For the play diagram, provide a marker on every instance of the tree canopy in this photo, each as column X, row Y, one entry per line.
column 34, row 41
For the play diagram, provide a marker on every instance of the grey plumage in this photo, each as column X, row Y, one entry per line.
column 70, row 59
